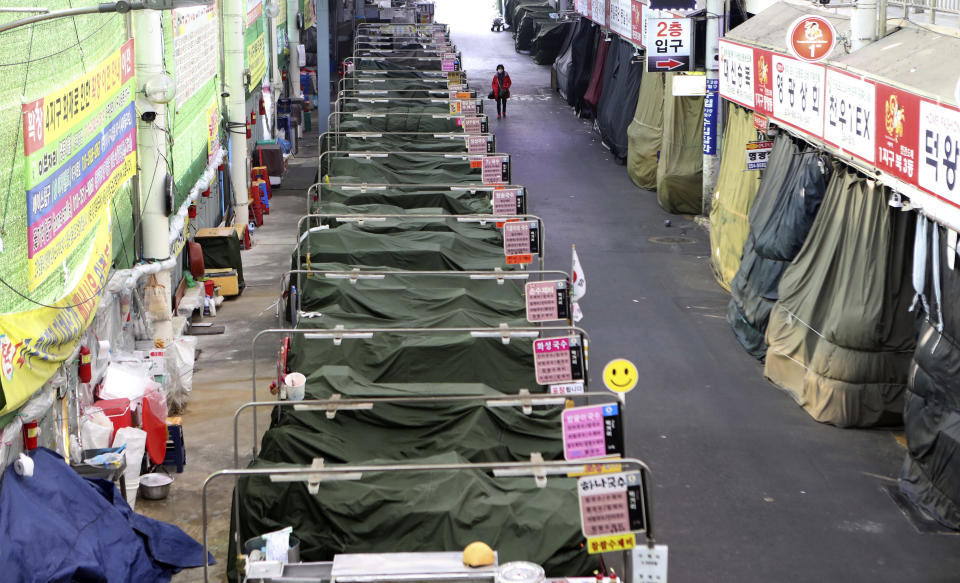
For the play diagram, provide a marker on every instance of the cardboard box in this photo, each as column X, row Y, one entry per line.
column 215, row 232
column 225, row 279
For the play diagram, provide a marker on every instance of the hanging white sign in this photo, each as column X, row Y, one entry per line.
column 939, row 150
column 798, row 94
column 850, row 117
column 736, row 73
column 621, row 17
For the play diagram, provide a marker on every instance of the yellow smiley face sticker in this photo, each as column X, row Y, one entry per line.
column 620, row 375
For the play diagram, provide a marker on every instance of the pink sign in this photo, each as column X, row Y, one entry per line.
column 472, row 125
column 583, row 433
column 468, row 107
column 552, row 362
column 505, row 201
column 493, row 172
column 542, row 300
column 476, row 144
column 516, row 238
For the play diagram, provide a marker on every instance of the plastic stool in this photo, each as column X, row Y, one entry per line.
column 176, row 451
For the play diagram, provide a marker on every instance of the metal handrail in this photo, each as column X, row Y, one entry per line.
column 360, row 114
column 333, row 405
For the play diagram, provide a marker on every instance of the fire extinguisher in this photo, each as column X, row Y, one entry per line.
column 84, row 371
column 30, row 434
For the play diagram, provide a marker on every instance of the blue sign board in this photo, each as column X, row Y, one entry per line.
column 711, row 103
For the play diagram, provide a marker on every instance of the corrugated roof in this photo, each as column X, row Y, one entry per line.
column 913, row 58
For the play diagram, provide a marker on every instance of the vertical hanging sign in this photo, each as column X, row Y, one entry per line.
column 710, row 106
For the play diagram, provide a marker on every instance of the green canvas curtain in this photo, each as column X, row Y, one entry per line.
column 840, row 338
column 680, row 171
column 735, row 193
column 645, row 132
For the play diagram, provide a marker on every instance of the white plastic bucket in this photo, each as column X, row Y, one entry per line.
column 295, row 385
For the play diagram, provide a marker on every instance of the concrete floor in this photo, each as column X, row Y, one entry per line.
column 746, row 486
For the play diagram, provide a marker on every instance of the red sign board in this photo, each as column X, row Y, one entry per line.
column 811, row 38
column 763, row 81
column 897, row 132
column 636, row 28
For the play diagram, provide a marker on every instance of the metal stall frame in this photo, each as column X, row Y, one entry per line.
column 364, row 187
column 338, row 335
column 357, row 274
column 335, row 117
column 538, row 469
column 372, row 136
column 404, row 93
column 441, row 82
column 482, row 219
column 341, row 101
column 464, row 157
column 457, row 63
column 525, row 400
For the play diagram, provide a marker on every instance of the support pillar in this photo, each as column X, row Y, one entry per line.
column 151, row 146
column 716, row 21
column 234, row 20
column 323, row 64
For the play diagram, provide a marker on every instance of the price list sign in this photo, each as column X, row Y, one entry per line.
column 547, row 300
column 558, row 360
column 595, row 431
column 521, row 237
column 507, row 201
column 472, row 125
column 468, row 107
column 611, row 504
column 476, row 144
column 493, row 170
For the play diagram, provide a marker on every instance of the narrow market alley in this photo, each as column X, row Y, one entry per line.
column 746, row 486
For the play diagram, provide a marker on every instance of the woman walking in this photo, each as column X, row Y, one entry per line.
column 501, row 90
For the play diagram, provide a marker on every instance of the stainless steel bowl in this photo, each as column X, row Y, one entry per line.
column 155, row 486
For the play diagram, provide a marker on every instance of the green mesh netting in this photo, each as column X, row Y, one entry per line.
column 198, row 82
column 34, row 61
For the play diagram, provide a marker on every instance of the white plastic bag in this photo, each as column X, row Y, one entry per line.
column 95, row 430
column 125, row 381
column 136, row 442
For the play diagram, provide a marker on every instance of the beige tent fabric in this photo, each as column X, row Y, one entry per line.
column 645, row 131
column 736, row 190
column 680, row 171
column 841, row 337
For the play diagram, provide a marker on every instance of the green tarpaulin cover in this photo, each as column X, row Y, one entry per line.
column 783, row 212
column 645, row 132
column 425, row 357
column 408, row 430
column 429, row 300
column 548, row 40
column 405, row 167
column 841, row 337
column 379, row 104
column 417, row 250
column 451, row 200
column 680, row 171
column 399, row 142
column 398, row 122
column 436, row 511
column 733, row 197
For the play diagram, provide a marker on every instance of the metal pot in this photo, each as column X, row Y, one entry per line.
column 155, row 486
